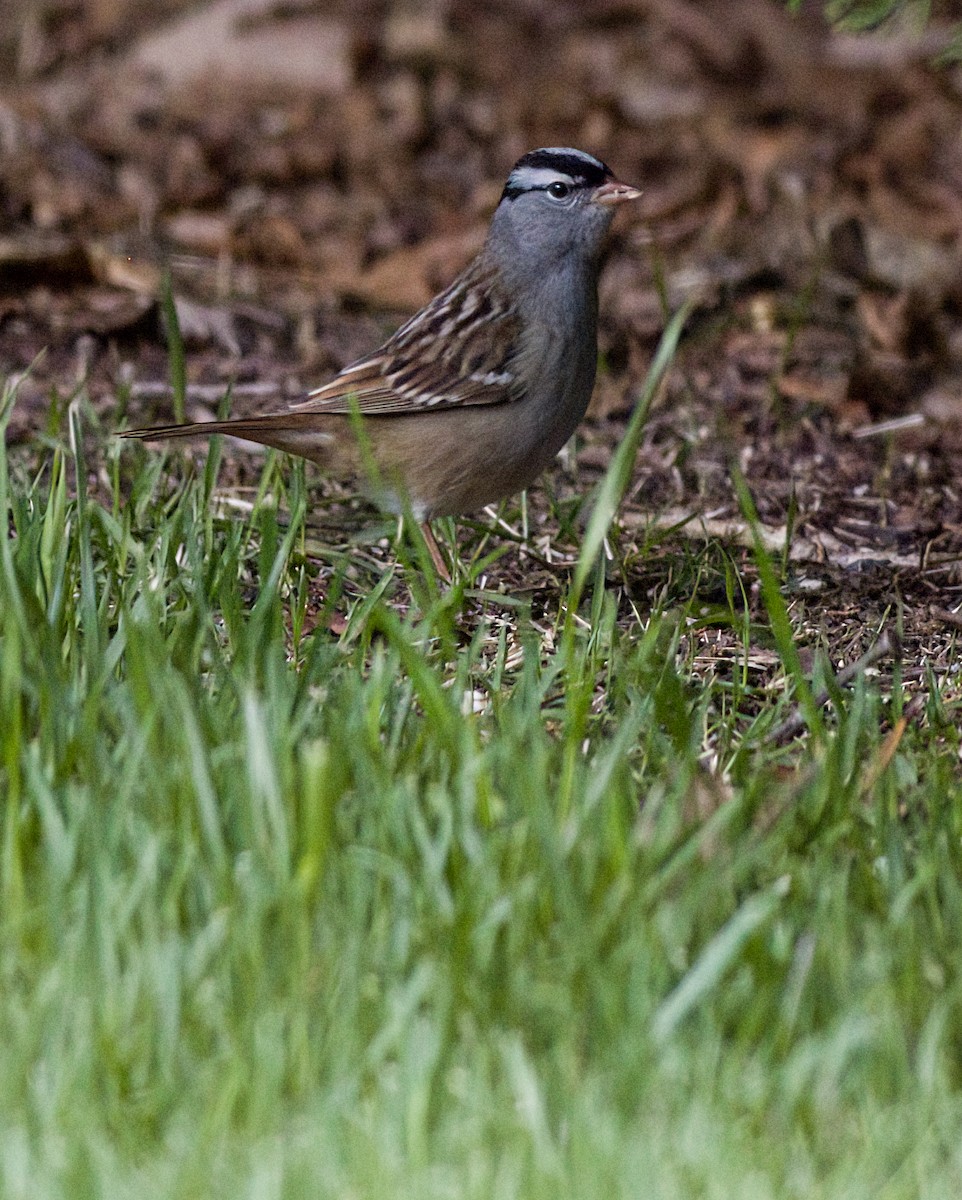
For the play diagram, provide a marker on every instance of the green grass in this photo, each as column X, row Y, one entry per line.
column 278, row 919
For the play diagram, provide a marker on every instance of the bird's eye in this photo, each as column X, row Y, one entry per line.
column 559, row 190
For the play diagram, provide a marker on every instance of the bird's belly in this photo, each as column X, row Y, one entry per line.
column 459, row 460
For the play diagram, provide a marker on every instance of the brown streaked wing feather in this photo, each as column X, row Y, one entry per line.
column 463, row 348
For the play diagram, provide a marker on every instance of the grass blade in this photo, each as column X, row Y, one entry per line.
column 776, row 607
column 619, row 472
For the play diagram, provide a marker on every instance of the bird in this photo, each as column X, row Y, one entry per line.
column 473, row 396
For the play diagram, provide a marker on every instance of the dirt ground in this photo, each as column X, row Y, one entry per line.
column 311, row 172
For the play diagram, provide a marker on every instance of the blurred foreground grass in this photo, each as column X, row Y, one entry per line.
column 406, row 913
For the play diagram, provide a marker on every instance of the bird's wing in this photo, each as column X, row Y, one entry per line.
column 463, row 348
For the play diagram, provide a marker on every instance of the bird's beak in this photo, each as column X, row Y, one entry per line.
column 615, row 192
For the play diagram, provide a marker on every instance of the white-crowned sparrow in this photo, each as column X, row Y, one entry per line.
column 470, row 399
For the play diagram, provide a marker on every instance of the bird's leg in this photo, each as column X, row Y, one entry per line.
column 435, row 551
column 431, row 542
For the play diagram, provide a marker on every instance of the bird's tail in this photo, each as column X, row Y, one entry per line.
column 240, row 427
column 296, row 433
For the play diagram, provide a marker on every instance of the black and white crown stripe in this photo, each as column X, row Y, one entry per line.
column 538, row 169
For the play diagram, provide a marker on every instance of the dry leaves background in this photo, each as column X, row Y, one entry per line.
column 311, row 172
